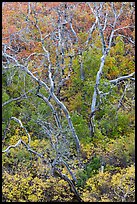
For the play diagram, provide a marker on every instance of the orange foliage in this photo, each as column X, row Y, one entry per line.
column 26, row 36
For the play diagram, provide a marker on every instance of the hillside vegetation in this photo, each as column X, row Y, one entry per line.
column 68, row 101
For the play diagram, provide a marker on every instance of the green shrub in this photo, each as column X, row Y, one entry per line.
column 80, row 126
column 91, row 169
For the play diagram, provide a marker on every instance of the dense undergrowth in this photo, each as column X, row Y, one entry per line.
column 107, row 173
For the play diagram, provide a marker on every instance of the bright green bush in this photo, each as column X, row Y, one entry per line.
column 90, row 169
column 81, row 127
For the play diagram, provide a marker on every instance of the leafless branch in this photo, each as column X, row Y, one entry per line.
column 122, row 97
column 52, row 108
column 115, row 81
column 50, row 91
column 16, row 99
column 20, row 141
column 123, row 28
column 63, row 176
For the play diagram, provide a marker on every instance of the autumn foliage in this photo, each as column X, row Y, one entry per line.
column 52, row 54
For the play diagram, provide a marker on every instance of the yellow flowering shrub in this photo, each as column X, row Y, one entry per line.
column 24, row 187
column 123, row 184
column 87, row 150
column 105, row 187
column 26, row 178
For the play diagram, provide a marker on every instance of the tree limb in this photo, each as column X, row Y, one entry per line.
column 64, row 177
column 115, row 81
column 16, row 99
